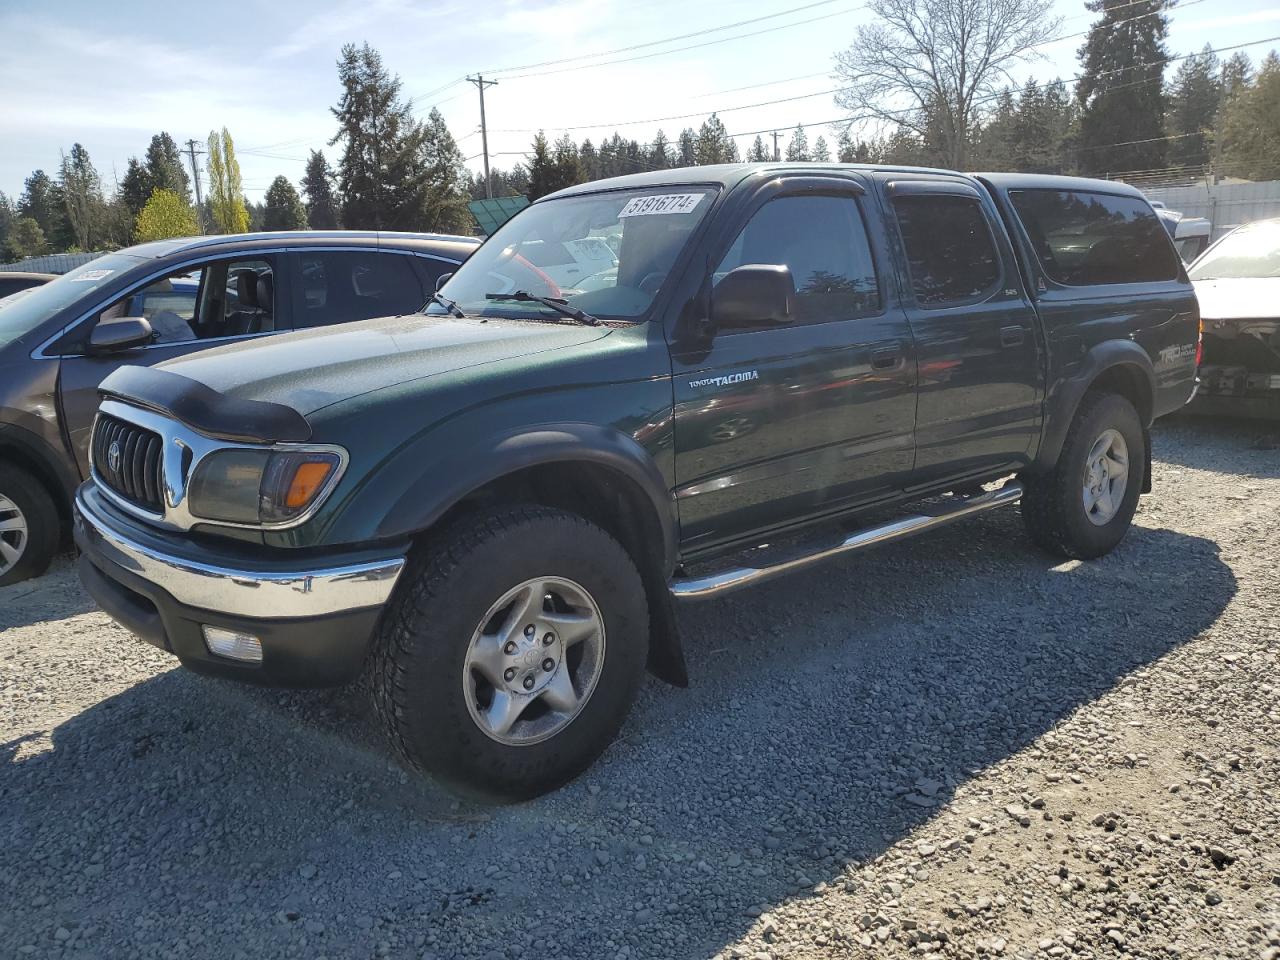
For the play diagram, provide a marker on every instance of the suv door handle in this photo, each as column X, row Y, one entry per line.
column 886, row 356
column 1011, row 336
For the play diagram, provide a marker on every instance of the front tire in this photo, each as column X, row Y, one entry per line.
column 512, row 651
column 1084, row 507
column 29, row 526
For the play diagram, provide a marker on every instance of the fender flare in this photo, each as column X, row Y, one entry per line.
column 561, row 443
column 519, row 449
column 1065, row 397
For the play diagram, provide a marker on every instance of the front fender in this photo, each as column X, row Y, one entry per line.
column 466, row 468
column 1125, row 358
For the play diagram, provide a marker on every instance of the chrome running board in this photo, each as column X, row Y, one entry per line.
column 717, row 584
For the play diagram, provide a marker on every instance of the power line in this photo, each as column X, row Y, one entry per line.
column 657, row 43
column 693, row 46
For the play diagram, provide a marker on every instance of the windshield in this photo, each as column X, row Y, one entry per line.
column 606, row 254
column 1251, row 251
column 23, row 314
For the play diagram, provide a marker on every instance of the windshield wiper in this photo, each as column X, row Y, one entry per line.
column 449, row 305
column 557, row 304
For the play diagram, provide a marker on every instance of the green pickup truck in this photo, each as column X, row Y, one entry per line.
column 491, row 508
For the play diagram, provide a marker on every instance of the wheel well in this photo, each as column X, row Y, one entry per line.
column 1129, row 381
column 609, row 499
column 21, row 457
column 617, row 504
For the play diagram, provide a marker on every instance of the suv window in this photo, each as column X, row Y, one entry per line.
column 338, row 286
column 824, row 242
column 1084, row 238
column 949, row 248
column 168, row 304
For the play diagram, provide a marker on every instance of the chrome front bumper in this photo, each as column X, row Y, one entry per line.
column 267, row 592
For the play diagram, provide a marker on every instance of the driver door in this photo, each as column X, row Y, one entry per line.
column 778, row 423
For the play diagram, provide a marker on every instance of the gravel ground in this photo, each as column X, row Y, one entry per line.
column 953, row 747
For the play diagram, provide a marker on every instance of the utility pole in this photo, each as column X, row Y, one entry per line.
column 776, row 155
column 195, row 175
column 481, row 83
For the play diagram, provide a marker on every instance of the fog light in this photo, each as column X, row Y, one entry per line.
column 232, row 644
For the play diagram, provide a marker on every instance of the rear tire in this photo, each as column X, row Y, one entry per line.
column 30, row 528
column 511, row 652
column 1084, row 507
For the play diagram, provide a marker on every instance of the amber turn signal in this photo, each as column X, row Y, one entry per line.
column 307, row 480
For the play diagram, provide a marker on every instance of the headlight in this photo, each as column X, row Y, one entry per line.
column 260, row 486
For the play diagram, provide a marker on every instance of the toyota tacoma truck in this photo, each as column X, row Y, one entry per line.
column 490, row 509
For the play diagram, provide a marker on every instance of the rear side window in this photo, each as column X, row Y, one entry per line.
column 1084, row 238
column 949, row 248
column 824, row 243
column 341, row 286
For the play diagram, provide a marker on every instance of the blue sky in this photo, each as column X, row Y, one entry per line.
column 111, row 75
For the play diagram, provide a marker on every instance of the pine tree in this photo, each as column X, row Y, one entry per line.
column 590, row 161
column 821, row 153
column 135, row 188
column 165, row 170
column 1251, row 125
column 380, row 168
column 226, row 194
column 81, row 189
column 758, row 153
column 1120, row 91
column 40, row 202
column 283, row 209
column 1237, row 74
column 444, row 203
column 686, row 151
column 713, row 143
column 1193, row 98
column 798, row 148
column 541, row 169
column 659, row 156
column 317, row 186
column 845, row 151
column 567, row 164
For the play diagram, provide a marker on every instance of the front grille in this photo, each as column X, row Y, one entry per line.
column 127, row 458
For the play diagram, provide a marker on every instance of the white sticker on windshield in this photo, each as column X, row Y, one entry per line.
column 661, row 203
column 91, row 275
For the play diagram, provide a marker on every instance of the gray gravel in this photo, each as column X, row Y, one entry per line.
column 953, row 747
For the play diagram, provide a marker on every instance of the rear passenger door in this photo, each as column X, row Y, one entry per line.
column 975, row 334
column 782, row 422
column 339, row 286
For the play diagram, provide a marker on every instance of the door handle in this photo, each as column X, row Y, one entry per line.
column 1011, row 336
column 886, row 357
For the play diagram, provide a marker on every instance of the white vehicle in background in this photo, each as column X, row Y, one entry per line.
column 1190, row 235
column 1237, row 283
column 569, row 262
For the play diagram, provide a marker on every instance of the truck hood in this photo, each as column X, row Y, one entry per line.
column 1244, row 298
column 310, row 369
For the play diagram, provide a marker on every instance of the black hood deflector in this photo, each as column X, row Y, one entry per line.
column 204, row 409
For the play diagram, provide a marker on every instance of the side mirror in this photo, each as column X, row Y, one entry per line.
column 442, row 280
column 122, row 333
column 753, row 295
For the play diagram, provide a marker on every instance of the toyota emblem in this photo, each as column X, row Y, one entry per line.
column 113, row 456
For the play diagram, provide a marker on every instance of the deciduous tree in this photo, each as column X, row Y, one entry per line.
column 226, row 195
column 163, row 216
column 26, row 239
column 928, row 66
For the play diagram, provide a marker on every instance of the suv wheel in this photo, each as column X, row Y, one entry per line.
column 512, row 651
column 29, row 526
column 1084, row 507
